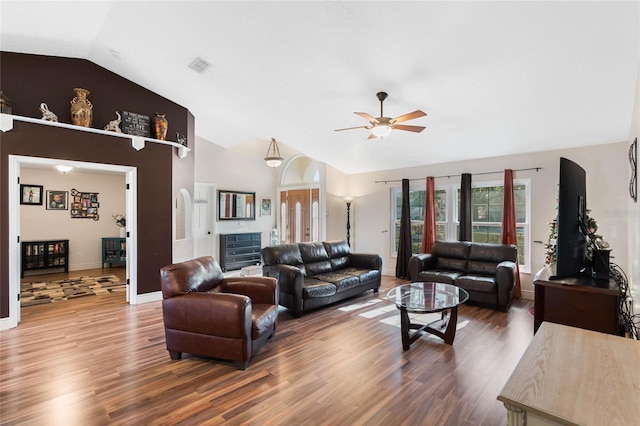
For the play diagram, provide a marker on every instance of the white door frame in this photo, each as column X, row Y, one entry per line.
column 15, row 162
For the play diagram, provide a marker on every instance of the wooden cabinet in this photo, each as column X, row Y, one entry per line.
column 45, row 255
column 583, row 302
column 572, row 376
column 114, row 250
column 239, row 250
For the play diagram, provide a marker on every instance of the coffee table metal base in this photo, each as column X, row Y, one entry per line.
column 406, row 325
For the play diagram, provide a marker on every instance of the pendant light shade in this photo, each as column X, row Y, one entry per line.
column 273, row 158
column 381, row 130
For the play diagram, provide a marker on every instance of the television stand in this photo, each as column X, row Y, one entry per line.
column 583, row 302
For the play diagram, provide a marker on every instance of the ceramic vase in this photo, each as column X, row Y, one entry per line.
column 160, row 126
column 81, row 108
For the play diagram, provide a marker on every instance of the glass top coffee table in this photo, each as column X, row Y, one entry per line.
column 423, row 298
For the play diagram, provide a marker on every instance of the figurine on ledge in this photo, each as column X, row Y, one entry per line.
column 113, row 124
column 46, row 114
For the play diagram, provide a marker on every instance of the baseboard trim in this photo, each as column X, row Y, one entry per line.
column 6, row 323
column 148, row 297
column 527, row 294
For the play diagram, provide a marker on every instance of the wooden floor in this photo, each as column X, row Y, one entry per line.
column 97, row 361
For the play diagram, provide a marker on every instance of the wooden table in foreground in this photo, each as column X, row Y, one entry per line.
column 577, row 377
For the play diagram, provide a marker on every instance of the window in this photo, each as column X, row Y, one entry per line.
column 487, row 199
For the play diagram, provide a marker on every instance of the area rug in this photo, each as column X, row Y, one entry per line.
column 37, row 293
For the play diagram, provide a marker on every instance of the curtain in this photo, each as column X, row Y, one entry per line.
column 465, row 232
column 429, row 228
column 404, row 242
column 509, row 223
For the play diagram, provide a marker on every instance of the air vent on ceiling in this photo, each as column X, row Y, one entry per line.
column 199, row 65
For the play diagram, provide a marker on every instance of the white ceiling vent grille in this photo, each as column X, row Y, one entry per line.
column 199, row 65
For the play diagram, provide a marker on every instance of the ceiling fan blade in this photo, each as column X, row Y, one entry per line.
column 416, row 129
column 351, row 128
column 409, row 116
column 372, row 136
column 367, row 117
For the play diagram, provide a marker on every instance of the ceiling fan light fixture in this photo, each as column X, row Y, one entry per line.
column 273, row 158
column 381, row 130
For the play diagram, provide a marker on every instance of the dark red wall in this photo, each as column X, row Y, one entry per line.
column 29, row 80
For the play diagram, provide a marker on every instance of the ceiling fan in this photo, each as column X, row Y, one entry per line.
column 382, row 126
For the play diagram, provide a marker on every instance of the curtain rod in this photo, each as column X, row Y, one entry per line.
column 450, row 176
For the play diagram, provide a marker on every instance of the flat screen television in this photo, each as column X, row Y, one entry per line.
column 571, row 244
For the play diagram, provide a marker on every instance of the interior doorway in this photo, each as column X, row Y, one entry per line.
column 204, row 224
column 17, row 162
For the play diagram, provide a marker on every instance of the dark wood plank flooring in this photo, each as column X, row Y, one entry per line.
column 98, row 360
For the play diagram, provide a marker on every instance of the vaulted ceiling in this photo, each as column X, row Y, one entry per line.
column 495, row 78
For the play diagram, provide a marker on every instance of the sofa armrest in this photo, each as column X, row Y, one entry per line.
column 505, row 276
column 263, row 290
column 290, row 278
column 366, row 261
column 421, row 262
column 216, row 314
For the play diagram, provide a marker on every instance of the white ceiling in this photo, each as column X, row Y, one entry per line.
column 495, row 78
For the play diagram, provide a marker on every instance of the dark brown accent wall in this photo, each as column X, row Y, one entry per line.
column 29, row 80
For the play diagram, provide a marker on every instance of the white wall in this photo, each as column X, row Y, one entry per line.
column 84, row 235
column 607, row 194
column 632, row 213
column 242, row 168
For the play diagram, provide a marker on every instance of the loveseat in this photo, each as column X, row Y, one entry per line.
column 315, row 274
column 207, row 314
column 486, row 271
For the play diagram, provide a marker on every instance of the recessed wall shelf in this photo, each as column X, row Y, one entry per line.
column 137, row 142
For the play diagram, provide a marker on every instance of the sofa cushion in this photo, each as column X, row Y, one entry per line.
column 342, row 281
column 447, row 277
column 337, row 248
column 451, row 264
column 313, row 252
column 485, row 257
column 478, row 283
column 317, row 288
column 287, row 254
column 494, row 253
column 483, row 268
column 451, row 249
column 363, row 274
column 316, row 268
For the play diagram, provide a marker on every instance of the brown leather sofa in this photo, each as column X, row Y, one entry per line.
column 315, row 274
column 207, row 314
column 486, row 271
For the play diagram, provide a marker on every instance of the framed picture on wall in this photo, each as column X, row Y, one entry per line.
column 31, row 194
column 57, row 200
column 265, row 207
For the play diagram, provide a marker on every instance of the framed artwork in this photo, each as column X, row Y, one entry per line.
column 265, row 207
column 84, row 205
column 31, row 194
column 57, row 200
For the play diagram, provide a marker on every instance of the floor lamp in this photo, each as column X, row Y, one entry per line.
column 348, row 200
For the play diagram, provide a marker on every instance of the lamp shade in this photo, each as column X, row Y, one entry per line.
column 273, row 157
column 381, row 130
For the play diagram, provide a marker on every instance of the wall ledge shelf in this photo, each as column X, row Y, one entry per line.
column 137, row 142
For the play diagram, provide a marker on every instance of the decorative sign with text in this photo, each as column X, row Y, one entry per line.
column 135, row 124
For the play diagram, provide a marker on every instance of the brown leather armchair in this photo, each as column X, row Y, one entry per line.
column 207, row 314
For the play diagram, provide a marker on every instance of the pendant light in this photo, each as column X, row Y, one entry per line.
column 273, row 158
